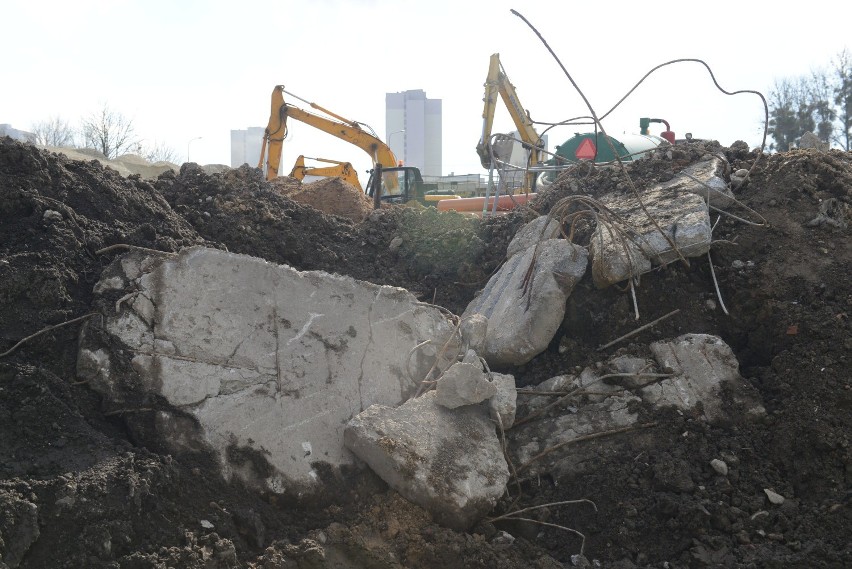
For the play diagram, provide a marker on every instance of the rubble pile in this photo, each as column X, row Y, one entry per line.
column 648, row 367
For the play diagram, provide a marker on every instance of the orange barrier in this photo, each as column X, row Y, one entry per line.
column 474, row 205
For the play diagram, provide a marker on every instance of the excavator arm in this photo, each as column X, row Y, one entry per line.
column 342, row 170
column 333, row 124
column 497, row 83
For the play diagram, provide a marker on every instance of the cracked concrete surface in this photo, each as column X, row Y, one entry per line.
column 261, row 356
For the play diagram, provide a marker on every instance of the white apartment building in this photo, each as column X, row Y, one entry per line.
column 245, row 146
column 413, row 130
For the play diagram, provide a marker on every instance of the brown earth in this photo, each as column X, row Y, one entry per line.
column 76, row 490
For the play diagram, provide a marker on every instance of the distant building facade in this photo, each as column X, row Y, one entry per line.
column 245, row 146
column 22, row 135
column 413, row 130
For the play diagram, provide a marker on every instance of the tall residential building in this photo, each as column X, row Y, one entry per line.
column 245, row 146
column 413, row 130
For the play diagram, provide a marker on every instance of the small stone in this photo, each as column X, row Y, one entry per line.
column 51, row 215
column 395, row 244
column 503, row 539
column 737, row 264
column 206, row 524
column 719, row 466
column 774, row 497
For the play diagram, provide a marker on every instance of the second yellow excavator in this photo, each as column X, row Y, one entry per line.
column 343, row 170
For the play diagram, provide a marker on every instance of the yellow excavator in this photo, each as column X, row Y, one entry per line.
column 497, row 83
column 343, row 170
column 399, row 184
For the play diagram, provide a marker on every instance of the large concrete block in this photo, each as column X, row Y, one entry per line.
column 702, row 364
column 449, row 462
column 622, row 250
column 269, row 362
column 525, row 308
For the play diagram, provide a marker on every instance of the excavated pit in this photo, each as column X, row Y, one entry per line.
column 79, row 488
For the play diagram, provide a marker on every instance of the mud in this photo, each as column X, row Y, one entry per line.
column 76, row 489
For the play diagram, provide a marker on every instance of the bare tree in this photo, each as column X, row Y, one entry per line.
column 159, row 152
column 55, row 131
column 843, row 98
column 790, row 112
column 109, row 131
column 821, row 95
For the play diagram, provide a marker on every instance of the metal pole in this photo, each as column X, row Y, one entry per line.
column 188, row 145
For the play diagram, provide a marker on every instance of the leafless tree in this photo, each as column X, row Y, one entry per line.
column 843, row 98
column 821, row 94
column 110, row 132
column 54, row 131
column 159, row 152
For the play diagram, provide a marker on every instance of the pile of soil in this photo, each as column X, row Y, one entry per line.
column 330, row 195
column 77, row 491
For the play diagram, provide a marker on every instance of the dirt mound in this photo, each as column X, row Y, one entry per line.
column 77, row 491
column 336, row 197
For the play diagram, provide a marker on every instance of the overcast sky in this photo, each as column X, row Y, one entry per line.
column 182, row 69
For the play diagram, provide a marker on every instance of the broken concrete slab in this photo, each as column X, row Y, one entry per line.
column 260, row 363
column 539, row 229
column 679, row 206
column 620, row 251
column 707, row 179
column 554, row 430
column 503, row 405
column 463, row 384
column 450, row 462
column 706, row 378
column 525, row 308
column 703, row 365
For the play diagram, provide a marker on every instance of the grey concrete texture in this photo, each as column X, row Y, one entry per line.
column 450, row 462
column 262, row 357
column 541, row 228
column 621, row 250
column 702, row 363
column 707, row 179
column 502, row 407
column 463, row 384
column 702, row 367
column 525, row 308
column 679, row 206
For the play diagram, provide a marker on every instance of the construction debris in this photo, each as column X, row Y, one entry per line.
column 127, row 459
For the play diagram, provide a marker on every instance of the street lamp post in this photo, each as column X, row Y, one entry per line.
column 188, row 145
column 403, row 142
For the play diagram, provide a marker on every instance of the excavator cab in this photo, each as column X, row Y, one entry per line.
column 401, row 184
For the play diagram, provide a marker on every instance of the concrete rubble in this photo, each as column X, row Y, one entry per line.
column 525, row 301
column 694, row 373
column 276, row 371
column 463, row 384
column 635, row 244
column 260, row 363
column 702, row 364
column 450, row 462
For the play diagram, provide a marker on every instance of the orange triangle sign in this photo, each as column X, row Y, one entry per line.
column 587, row 150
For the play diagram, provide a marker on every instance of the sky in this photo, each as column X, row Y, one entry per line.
column 187, row 72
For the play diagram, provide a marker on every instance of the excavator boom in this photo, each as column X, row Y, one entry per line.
column 350, row 131
column 497, row 83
